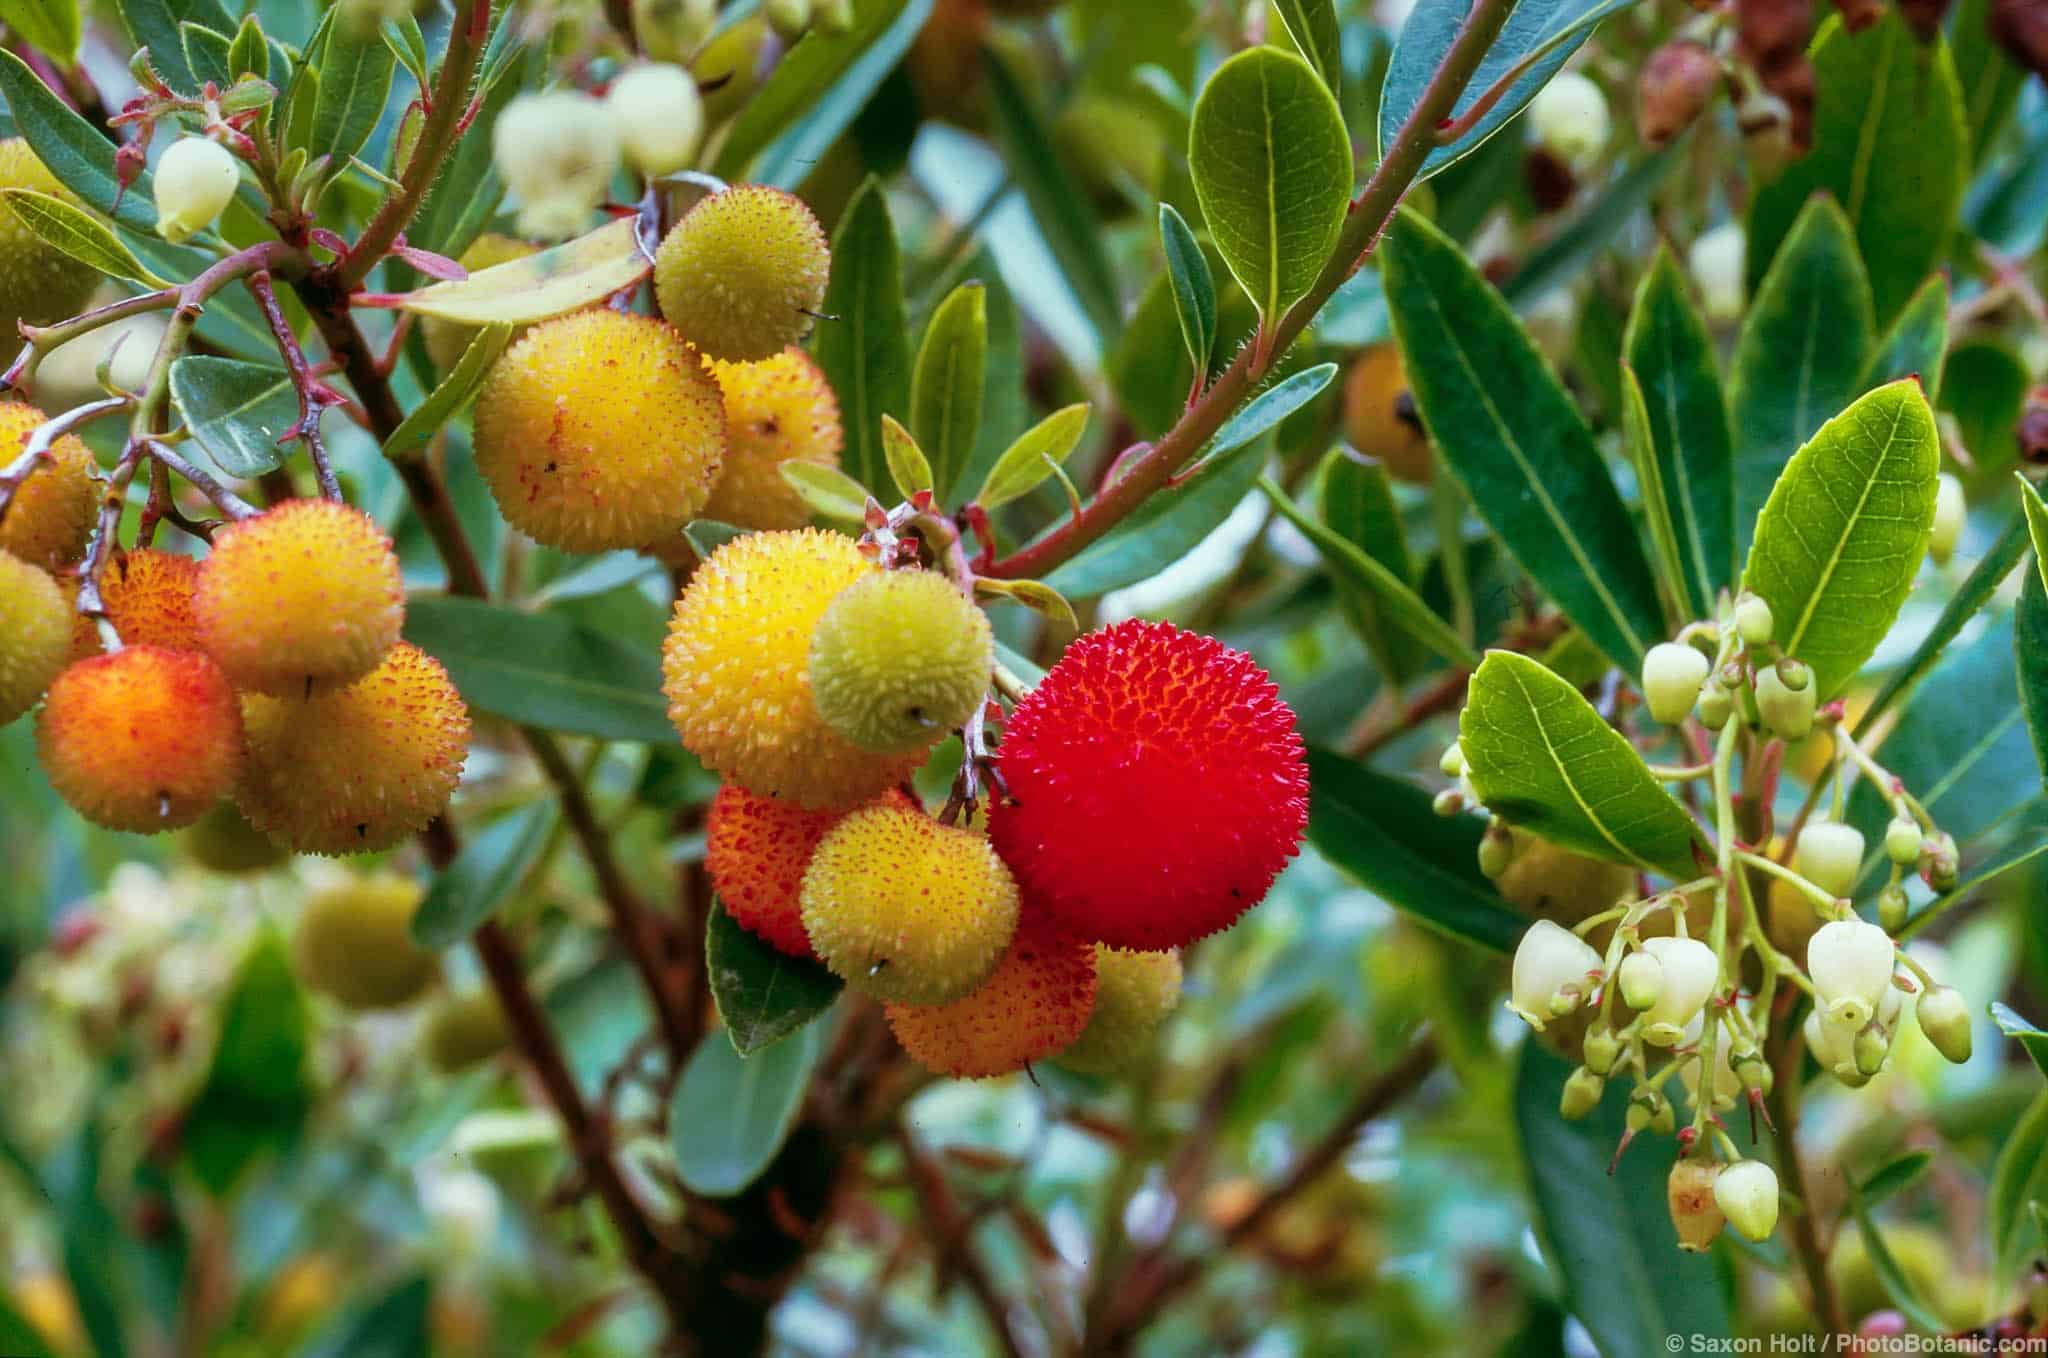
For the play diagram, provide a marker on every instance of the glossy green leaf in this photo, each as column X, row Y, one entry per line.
column 1513, row 438
column 1610, row 1236
column 908, row 466
column 1985, row 387
column 255, row 1096
column 2019, row 1180
column 1194, row 290
column 792, row 157
column 248, row 52
column 947, row 385
column 827, row 490
column 1035, row 455
column 1003, row 408
column 396, row 1323
column 1987, row 78
column 1800, row 354
column 206, row 53
column 1894, row 1176
column 483, row 877
column 866, row 352
column 2008, row 210
column 1356, row 498
column 1170, row 524
column 154, row 24
column 1404, row 608
column 1035, row 595
column 52, row 27
column 77, row 233
column 453, row 393
column 72, row 149
column 561, row 279
column 355, row 82
column 1916, row 345
column 541, row 669
column 236, row 411
column 2029, row 1035
column 763, row 995
column 1680, row 585
column 797, row 87
column 1842, row 536
column 732, row 1113
column 2036, row 512
column 1672, row 356
column 1890, row 146
column 1312, row 27
column 1541, row 758
column 1269, row 409
column 1543, row 33
column 1272, row 167
column 1384, row 832
column 2030, row 651
column 1058, row 203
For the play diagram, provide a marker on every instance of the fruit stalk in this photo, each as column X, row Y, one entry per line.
column 1368, row 216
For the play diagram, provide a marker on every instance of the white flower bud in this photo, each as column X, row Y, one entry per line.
column 1950, row 513
column 1552, row 972
column 1641, row 978
column 1753, row 619
column 1690, row 972
column 1747, row 1194
column 1672, row 675
column 1945, row 1017
column 1851, row 965
column 1902, row 841
column 1829, row 854
column 789, row 18
column 1717, row 261
column 195, row 179
column 1786, row 711
column 660, row 117
column 1570, row 120
column 1452, row 761
column 1833, row 1046
column 557, row 152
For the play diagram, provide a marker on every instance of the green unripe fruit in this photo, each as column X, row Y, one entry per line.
column 1902, row 840
column 224, row 841
column 1134, row 993
column 35, row 635
column 899, row 659
column 743, row 272
column 1581, row 1094
column 1787, row 709
column 463, row 1031
column 1753, row 620
column 354, row 943
column 1944, row 1016
column 38, row 284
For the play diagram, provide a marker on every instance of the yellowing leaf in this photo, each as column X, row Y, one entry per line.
column 565, row 278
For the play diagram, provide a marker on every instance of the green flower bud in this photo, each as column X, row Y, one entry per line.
column 1665, row 1120
column 1945, row 1017
column 1891, row 907
column 1902, row 841
column 1747, row 1194
column 1829, row 854
column 1570, row 120
column 1753, row 620
column 1796, row 675
column 1754, row 1072
column 1672, row 675
column 1496, row 851
column 1647, row 1108
column 1950, row 514
column 1938, row 861
column 1787, row 711
column 1601, row 1050
column 673, row 30
column 1449, row 802
column 1717, row 704
column 789, row 18
column 1582, row 1093
column 1453, row 760
column 1641, row 978
column 1873, row 1044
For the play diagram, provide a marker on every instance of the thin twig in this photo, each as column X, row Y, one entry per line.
column 225, row 500
column 313, row 397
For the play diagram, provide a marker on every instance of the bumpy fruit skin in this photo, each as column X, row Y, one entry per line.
column 445, row 340
column 899, row 659
column 756, row 851
column 1157, row 786
column 1134, row 993
column 463, row 1031
column 224, row 841
column 354, row 943
column 599, row 430
column 740, row 274
column 1380, row 419
column 906, row 909
column 145, row 739
column 736, row 669
column 778, row 410
column 302, row 599
column 358, row 769
column 37, row 284
column 35, row 635
column 148, row 594
column 50, row 517
column 1036, row 1002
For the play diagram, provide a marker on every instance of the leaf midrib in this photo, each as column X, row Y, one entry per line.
column 1564, row 776
column 1827, row 574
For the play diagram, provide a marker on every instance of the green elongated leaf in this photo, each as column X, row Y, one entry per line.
column 490, row 868
column 52, row 27
column 1003, row 410
column 540, row 669
column 255, row 1097
column 248, row 53
column 1987, row 78
column 908, row 466
column 1991, row 569
column 1543, row 33
column 1839, row 541
column 2036, row 512
column 1170, row 524
column 1540, row 757
column 237, row 411
column 75, row 232
column 1590, row 233
column 1610, row 1236
column 1516, row 442
column 1356, row 497
column 71, row 149
column 1058, row 203
column 1901, row 1289
column 827, row 490
column 1672, row 356
column 732, row 1113
column 17, row 1336
column 1035, row 455
column 1312, row 26
column 802, row 87
column 1890, row 145
column 355, row 82
column 1270, row 409
column 1799, row 356
column 1673, row 570
column 2030, row 650
column 1194, row 290
column 866, row 352
column 206, row 53
column 2029, row 1035
column 1984, row 387
column 397, row 1324
column 763, row 995
column 946, row 387
column 1894, row 1176
column 1384, row 832
column 1917, row 343
column 563, row 278
column 1272, row 168
column 2019, row 1180
column 154, row 24
column 1404, row 607
column 447, row 400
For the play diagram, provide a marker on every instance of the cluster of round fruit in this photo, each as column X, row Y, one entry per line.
column 815, row 682
column 270, row 672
